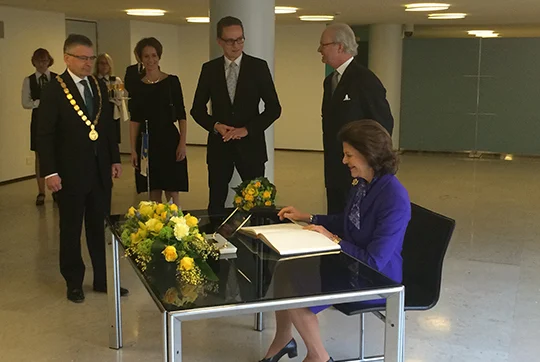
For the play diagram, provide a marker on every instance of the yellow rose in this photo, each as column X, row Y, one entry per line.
column 267, row 194
column 160, row 208
column 131, row 211
column 249, row 198
column 173, row 207
column 154, row 225
column 187, row 263
column 237, row 200
column 251, row 191
column 146, row 210
column 170, row 253
column 268, row 203
column 191, row 221
column 257, row 184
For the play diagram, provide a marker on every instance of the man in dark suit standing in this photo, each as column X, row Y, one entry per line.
column 352, row 92
column 235, row 84
column 134, row 73
column 79, row 156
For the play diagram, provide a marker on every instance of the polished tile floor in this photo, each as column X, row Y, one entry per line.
column 489, row 308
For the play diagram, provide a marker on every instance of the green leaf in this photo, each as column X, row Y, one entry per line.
column 207, row 271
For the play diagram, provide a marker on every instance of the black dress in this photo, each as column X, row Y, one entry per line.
column 158, row 103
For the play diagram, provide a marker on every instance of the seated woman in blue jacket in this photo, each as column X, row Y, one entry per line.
column 371, row 228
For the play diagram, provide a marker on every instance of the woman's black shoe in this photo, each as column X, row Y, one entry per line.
column 290, row 349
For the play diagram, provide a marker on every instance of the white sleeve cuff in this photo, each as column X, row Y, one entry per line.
column 51, row 175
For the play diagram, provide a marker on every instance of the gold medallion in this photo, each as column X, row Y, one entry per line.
column 93, row 135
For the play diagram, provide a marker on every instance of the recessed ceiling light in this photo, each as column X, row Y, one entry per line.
column 317, row 17
column 285, row 10
column 447, row 16
column 488, row 35
column 480, row 32
column 426, row 7
column 146, row 12
column 198, row 19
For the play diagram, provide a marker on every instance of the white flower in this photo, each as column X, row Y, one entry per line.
column 181, row 229
column 178, row 220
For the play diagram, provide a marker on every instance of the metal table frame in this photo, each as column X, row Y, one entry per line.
column 172, row 321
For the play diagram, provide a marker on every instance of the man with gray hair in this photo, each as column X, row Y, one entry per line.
column 352, row 92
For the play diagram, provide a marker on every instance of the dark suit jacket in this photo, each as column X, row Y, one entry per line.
column 385, row 212
column 254, row 83
column 133, row 75
column 63, row 143
column 359, row 95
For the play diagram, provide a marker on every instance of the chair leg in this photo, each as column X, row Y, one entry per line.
column 362, row 338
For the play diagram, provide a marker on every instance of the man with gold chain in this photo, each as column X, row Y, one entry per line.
column 79, row 157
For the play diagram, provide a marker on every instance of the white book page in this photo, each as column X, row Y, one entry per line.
column 290, row 239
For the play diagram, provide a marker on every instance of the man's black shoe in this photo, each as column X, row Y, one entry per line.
column 75, row 295
column 123, row 291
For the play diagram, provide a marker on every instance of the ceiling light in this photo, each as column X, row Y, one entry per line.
column 447, row 16
column 483, row 33
column 285, row 10
column 492, row 35
column 198, row 19
column 317, row 17
column 146, row 12
column 426, row 7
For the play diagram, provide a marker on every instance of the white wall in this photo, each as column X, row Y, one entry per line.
column 25, row 31
column 299, row 82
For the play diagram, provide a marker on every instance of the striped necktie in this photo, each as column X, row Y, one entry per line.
column 232, row 78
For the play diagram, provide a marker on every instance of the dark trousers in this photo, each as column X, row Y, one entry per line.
column 220, row 174
column 336, row 199
column 91, row 207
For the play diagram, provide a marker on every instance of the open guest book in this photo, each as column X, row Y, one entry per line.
column 291, row 239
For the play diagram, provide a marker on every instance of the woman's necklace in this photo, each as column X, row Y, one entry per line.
column 153, row 81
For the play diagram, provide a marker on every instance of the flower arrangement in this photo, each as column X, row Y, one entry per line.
column 259, row 192
column 155, row 230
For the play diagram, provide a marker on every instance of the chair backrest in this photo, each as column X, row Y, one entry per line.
column 426, row 240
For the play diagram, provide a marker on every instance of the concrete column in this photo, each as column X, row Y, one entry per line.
column 259, row 29
column 385, row 58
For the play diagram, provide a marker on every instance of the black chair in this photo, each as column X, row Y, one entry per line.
column 426, row 240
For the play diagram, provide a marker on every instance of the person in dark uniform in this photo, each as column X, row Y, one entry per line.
column 234, row 84
column 351, row 92
column 31, row 94
column 79, row 157
column 104, row 71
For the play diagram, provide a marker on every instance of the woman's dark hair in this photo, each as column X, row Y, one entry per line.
column 374, row 143
column 149, row 42
column 41, row 53
column 228, row 21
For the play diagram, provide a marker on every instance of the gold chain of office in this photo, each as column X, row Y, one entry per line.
column 93, row 135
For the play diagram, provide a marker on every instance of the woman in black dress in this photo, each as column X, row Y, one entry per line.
column 158, row 99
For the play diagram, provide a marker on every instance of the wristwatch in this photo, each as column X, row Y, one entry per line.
column 311, row 219
column 336, row 239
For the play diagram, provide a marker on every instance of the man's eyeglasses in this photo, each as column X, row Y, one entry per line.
column 326, row 44
column 83, row 57
column 231, row 42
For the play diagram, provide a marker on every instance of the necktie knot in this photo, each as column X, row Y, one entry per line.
column 43, row 80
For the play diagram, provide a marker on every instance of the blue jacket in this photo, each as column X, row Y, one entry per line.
column 385, row 212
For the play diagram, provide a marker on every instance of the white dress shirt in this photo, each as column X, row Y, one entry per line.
column 228, row 64
column 26, row 96
column 341, row 69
